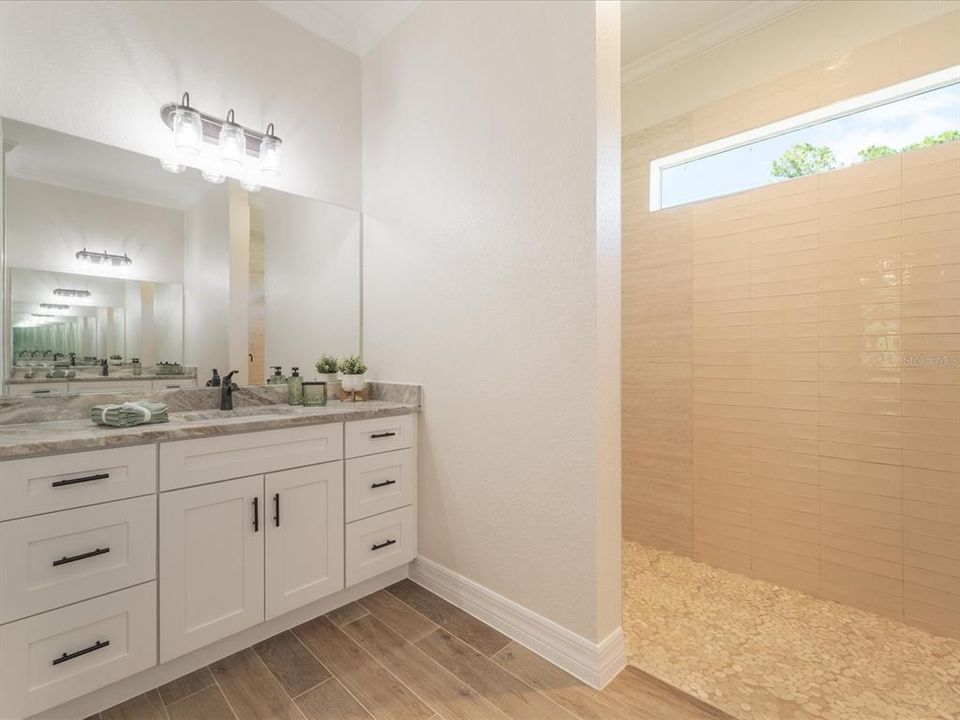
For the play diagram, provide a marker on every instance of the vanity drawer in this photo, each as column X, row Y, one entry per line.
column 185, row 463
column 380, row 543
column 60, row 558
column 38, row 389
column 40, row 485
column 173, row 384
column 378, row 483
column 365, row 437
column 48, row 659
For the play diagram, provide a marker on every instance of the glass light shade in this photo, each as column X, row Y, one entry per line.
column 187, row 131
column 250, row 181
column 172, row 164
column 212, row 175
column 233, row 145
column 270, row 151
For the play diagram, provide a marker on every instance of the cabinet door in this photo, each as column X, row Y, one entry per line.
column 211, row 563
column 304, row 534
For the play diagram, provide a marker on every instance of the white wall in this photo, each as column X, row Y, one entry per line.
column 102, row 70
column 491, row 234
column 168, row 329
column 311, row 281
column 206, row 283
column 46, row 225
column 820, row 30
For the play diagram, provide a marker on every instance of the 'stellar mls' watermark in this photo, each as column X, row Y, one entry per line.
column 932, row 361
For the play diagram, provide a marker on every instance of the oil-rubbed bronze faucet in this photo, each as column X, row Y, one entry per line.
column 226, row 391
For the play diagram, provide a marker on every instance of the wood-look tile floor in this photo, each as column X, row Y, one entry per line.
column 402, row 654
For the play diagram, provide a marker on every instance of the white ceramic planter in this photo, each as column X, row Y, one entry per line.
column 354, row 383
column 328, row 378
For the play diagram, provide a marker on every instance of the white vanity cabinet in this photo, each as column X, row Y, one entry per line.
column 303, row 536
column 115, row 560
column 78, row 597
column 211, row 563
column 237, row 552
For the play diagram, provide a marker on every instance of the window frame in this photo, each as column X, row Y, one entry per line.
column 842, row 108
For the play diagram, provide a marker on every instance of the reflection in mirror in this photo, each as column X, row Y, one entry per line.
column 59, row 316
column 111, row 260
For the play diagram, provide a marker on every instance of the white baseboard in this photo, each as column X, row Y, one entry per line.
column 596, row 664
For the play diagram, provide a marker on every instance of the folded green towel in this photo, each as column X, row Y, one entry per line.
column 129, row 414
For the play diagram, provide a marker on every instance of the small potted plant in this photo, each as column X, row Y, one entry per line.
column 353, row 369
column 327, row 367
column 116, row 360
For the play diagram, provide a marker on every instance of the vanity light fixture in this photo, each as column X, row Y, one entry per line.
column 233, row 143
column 71, row 292
column 187, row 128
column 270, row 151
column 104, row 257
column 54, row 306
column 240, row 152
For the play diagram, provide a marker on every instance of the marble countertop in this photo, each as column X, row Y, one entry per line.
column 61, row 436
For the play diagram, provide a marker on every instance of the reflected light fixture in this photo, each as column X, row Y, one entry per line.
column 99, row 258
column 42, row 315
column 54, row 306
column 71, row 292
column 237, row 151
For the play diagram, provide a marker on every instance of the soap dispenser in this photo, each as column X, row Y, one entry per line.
column 295, row 388
column 277, row 378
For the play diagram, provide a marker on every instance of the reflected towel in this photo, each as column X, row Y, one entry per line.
column 129, row 414
column 58, row 373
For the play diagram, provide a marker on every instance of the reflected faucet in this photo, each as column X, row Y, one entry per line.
column 226, row 391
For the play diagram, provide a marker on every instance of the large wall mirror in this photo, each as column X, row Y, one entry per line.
column 111, row 261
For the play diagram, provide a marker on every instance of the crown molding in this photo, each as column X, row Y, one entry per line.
column 736, row 25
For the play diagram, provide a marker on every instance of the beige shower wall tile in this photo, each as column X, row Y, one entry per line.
column 928, row 47
column 858, row 71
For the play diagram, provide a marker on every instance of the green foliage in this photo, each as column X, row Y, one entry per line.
column 803, row 159
column 931, row 140
column 352, row 365
column 327, row 364
column 875, row 152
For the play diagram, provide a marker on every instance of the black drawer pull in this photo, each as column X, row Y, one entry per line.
column 70, row 656
column 74, row 481
column 93, row 553
column 276, row 509
column 383, row 484
column 40, row 392
column 377, row 436
column 382, row 545
column 256, row 514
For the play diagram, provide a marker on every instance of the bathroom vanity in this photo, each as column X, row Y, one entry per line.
column 130, row 557
column 123, row 550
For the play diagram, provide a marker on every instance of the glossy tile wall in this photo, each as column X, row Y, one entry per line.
column 791, row 356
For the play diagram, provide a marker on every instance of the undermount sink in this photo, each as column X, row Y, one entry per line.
column 256, row 410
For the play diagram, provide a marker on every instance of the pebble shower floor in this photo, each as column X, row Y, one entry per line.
column 763, row 652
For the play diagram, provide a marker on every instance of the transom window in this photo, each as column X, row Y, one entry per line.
column 910, row 115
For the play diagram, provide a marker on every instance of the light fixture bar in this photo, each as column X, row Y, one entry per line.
column 70, row 292
column 213, row 124
column 54, row 306
column 43, row 315
column 98, row 258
